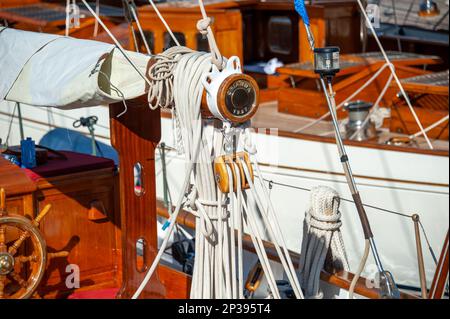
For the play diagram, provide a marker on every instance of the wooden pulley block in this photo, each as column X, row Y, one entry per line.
column 21, row 271
column 231, row 96
column 221, row 173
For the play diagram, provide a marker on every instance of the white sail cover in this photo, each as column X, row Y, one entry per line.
column 50, row 70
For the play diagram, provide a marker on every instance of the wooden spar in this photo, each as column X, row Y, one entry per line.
column 441, row 274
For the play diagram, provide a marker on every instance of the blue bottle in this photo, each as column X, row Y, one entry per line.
column 28, row 149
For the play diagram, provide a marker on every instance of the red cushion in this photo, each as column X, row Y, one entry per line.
column 75, row 163
column 109, row 293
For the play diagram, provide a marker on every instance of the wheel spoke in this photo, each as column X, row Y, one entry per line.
column 24, row 259
column 13, row 249
column 2, row 286
column 15, row 276
column 3, row 247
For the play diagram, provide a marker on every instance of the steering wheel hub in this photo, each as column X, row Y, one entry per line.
column 6, row 263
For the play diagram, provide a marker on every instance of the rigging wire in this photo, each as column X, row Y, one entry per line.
column 10, row 124
column 117, row 43
column 341, row 198
column 433, row 255
column 400, row 85
column 141, row 31
column 442, row 19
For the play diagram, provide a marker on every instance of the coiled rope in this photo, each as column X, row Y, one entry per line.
column 322, row 239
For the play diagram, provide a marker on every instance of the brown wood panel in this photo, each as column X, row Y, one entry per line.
column 312, row 103
column 135, row 135
column 306, row 103
column 92, row 244
column 227, row 27
column 177, row 284
column 14, row 179
column 402, row 121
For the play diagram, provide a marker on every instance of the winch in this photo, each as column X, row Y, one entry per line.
column 359, row 128
column 231, row 95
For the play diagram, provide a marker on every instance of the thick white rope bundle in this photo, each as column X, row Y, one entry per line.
column 321, row 239
column 176, row 78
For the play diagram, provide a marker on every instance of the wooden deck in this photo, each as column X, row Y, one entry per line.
column 287, row 125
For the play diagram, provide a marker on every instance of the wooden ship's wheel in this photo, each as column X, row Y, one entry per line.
column 21, row 269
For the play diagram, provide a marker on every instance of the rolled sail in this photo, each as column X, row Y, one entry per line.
column 49, row 70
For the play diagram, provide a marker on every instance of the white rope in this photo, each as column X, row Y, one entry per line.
column 348, row 99
column 160, row 92
column 270, row 218
column 275, row 233
column 249, row 221
column 429, row 128
column 193, row 100
column 160, row 74
column 362, row 265
column 240, row 233
column 321, row 238
column 204, row 27
column 404, row 94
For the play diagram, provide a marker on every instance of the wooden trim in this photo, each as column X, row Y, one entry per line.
column 18, row 18
column 50, row 182
column 366, row 144
column 357, row 176
column 424, row 88
column 340, row 279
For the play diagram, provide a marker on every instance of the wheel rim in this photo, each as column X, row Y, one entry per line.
column 37, row 260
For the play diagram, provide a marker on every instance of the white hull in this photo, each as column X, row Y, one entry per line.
column 404, row 182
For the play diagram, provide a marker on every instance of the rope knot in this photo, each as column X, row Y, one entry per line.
column 203, row 24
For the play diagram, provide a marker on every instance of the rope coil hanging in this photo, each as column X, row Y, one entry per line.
column 322, row 240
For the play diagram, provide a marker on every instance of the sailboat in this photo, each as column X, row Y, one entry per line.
column 291, row 164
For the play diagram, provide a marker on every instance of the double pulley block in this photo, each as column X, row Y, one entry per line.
column 225, row 163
